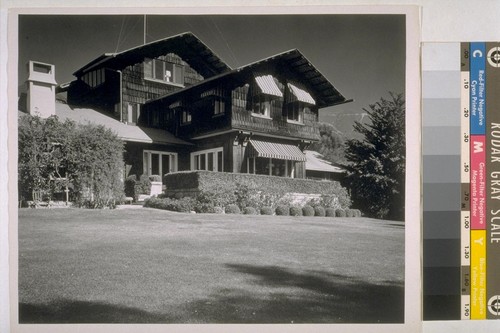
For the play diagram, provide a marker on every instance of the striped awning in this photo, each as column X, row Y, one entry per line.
column 267, row 85
column 301, row 94
column 276, row 150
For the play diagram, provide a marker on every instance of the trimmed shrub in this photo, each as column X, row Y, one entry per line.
column 250, row 211
column 233, row 209
column 246, row 196
column 143, row 185
column 184, row 205
column 204, row 208
column 308, row 210
column 319, row 211
column 340, row 213
column 218, row 210
column 330, row 212
column 247, row 190
column 266, row 210
column 282, row 210
column 349, row 213
column 357, row 213
column 130, row 186
column 295, row 211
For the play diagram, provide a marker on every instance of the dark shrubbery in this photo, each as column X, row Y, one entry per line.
column 233, row 209
column 250, row 211
column 130, row 186
column 308, row 210
column 319, row 211
column 266, row 210
column 184, row 205
column 143, row 185
column 134, row 187
column 330, row 212
column 282, row 210
column 295, row 211
column 340, row 213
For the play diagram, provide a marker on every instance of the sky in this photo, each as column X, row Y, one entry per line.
column 363, row 56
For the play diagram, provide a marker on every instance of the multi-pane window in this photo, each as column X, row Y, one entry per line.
column 218, row 106
column 164, row 71
column 133, row 113
column 295, row 111
column 186, row 117
column 159, row 163
column 211, row 160
column 261, row 105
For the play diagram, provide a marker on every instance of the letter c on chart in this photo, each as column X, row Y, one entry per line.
column 477, row 54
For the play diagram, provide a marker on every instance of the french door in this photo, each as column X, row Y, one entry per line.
column 159, row 162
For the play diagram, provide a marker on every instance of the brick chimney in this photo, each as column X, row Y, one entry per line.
column 41, row 83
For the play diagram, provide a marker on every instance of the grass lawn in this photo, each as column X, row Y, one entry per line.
column 153, row 266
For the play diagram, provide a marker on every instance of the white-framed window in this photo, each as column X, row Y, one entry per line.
column 295, row 111
column 261, row 105
column 218, row 106
column 186, row 117
column 159, row 70
column 159, row 162
column 210, row 159
column 271, row 167
column 133, row 113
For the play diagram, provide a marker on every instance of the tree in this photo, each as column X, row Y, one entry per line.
column 55, row 155
column 331, row 144
column 42, row 146
column 376, row 168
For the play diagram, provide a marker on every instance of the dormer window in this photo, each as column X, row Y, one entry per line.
column 164, row 71
column 186, row 117
column 264, row 92
column 298, row 101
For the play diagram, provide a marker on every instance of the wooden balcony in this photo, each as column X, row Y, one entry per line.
column 277, row 125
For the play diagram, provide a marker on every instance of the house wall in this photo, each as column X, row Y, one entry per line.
column 137, row 89
column 134, row 152
column 103, row 97
column 226, row 142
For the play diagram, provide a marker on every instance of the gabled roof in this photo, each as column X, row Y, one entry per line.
column 316, row 162
column 293, row 61
column 186, row 45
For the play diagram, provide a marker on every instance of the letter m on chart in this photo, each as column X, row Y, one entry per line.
column 478, row 146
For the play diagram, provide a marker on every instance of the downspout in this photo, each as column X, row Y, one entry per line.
column 121, row 96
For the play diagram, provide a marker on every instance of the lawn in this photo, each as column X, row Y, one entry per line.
column 153, row 266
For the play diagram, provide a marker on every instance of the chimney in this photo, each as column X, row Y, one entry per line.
column 41, row 89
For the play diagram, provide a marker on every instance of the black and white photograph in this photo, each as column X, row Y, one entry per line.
column 211, row 168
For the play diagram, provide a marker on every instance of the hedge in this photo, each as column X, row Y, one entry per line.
column 308, row 210
column 134, row 187
column 250, row 211
column 283, row 210
column 319, row 211
column 266, row 210
column 295, row 211
column 195, row 182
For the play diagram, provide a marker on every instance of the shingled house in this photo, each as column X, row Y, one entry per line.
column 178, row 106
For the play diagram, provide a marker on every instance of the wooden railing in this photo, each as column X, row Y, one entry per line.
column 243, row 119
